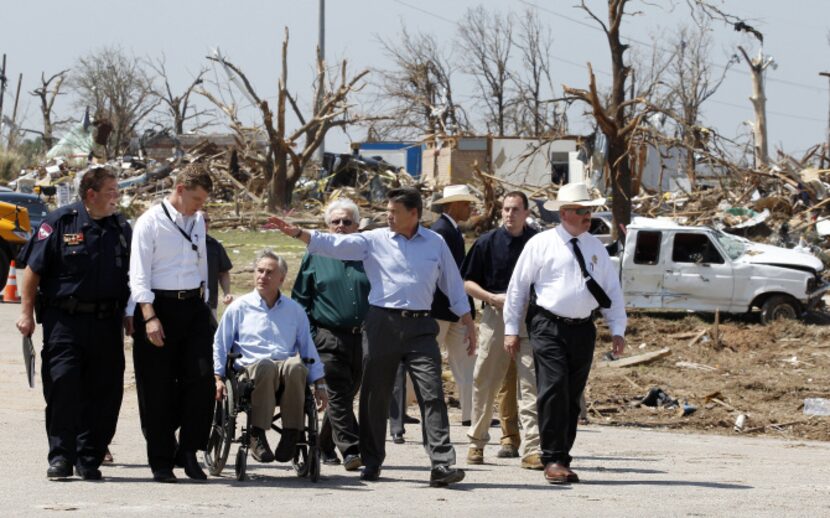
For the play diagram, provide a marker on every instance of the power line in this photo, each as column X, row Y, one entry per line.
column 646, row 44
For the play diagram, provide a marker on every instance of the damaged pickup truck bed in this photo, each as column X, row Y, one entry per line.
column 669, row 266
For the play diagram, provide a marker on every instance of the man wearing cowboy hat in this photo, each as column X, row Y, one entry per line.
column 564, row 274
column 457, row 205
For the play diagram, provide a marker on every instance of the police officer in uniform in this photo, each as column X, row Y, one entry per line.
column 77, row 266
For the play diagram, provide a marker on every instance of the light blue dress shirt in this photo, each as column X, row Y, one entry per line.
column 403, row 273
column 250, row 327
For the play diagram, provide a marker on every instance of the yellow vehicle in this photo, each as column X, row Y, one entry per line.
column 15, row 230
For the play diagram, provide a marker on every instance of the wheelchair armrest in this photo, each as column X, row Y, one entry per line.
column 234, row 355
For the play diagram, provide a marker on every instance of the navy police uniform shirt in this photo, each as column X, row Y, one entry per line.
column 78, row 256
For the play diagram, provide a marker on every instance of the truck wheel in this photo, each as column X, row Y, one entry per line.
column 778, row 307
column 4, row 268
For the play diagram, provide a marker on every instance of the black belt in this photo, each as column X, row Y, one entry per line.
column 356, row 330
column 179, row 294
column 102, row 308
column 406, row 313
column 571, row 321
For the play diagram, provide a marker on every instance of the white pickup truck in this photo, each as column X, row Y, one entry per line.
column 669, row 266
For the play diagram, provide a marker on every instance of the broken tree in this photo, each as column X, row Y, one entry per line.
column 282, row 165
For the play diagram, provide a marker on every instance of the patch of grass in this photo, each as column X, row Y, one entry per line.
column 243, row 245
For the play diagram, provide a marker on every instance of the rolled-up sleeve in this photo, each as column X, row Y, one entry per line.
column 518, row 290
column 451, row 283
column 306, row 347
column 141, row 261
column 351, row 247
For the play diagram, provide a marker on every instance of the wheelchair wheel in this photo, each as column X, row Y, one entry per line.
column 300, row 461
column 221, row 433
column 241, row 463
column 314, row 464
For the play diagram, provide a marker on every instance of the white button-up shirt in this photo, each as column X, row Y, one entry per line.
column 549, row 265
column 162, row 258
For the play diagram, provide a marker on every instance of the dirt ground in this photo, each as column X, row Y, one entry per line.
column 764, row 372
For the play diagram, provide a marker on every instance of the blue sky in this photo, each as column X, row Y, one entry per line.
column 50, row 35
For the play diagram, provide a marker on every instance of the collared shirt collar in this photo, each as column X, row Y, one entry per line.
column 419, row 231
column 454, row 224
column 566, row 236
column 264, row 303
column 510, row 236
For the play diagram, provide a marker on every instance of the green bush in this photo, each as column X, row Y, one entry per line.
column 11, row 162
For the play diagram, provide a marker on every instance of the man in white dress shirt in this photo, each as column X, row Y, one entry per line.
column 571, row 275
column 173, row 353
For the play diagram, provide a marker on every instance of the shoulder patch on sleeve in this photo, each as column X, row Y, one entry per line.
column 44, row 231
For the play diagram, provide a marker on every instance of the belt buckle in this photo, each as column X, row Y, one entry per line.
column 180, row 295
column 406, row 313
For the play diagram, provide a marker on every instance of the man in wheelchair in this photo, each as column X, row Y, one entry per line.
column 271, row 332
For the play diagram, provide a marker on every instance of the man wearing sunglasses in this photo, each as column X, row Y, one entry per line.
column 562, row 276
column 335, row 295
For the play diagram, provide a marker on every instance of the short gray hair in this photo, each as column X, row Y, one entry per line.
column 267, row 253
column 344, row 204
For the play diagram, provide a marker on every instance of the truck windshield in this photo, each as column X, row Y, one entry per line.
column 733, row 246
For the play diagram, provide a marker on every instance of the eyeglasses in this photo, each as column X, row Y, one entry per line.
column 344, row 222
column 581, row 211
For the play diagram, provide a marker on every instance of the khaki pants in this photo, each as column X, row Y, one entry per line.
column 508, row 401
column 451, row 339
column 268, row 376
column 490, row 369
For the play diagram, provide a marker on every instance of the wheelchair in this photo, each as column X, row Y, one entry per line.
column 306, row 462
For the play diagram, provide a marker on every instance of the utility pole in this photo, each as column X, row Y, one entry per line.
column 2, row 93
column 321, row 50
column 825, row 157
column 13, row 129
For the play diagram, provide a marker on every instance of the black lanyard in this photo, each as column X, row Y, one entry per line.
column 182, row 232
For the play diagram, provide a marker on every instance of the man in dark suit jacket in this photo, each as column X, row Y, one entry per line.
column 456, row 203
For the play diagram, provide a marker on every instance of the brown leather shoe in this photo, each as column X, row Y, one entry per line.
column 556, row 473
column 572, row 477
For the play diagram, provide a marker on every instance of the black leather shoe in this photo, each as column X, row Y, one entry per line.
column 410, row 420
column 59, row 469
column 260, row 449
column 88, row 473
column 165, row 476
column 191, row 466
column 442, row 476
column 288, row 445
column 397, row 438
column 370, row 473
column 466, row 422
column 329, row 458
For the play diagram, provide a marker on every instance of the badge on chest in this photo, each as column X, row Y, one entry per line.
column 73, row 239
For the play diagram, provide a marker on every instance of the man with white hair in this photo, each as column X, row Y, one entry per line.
column 571, row 275
column 335, row 296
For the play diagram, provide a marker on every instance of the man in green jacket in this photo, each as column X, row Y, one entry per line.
column 335, row 295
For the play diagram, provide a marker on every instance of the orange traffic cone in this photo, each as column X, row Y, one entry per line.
column 10, row 293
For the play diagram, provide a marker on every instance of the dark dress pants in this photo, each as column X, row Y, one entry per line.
column 175, row 382
column 342, row 357
column 397, row 406
column 562, row 355
column 389, row 339
column 83, row 384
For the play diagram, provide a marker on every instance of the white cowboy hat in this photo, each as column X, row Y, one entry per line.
column 573, row 194
column 456, row 193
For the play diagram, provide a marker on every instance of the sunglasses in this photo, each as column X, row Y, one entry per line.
column 344, row 222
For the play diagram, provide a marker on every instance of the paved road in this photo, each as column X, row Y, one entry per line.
column 626, row 472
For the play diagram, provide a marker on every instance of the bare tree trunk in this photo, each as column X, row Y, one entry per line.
column 757, row 67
